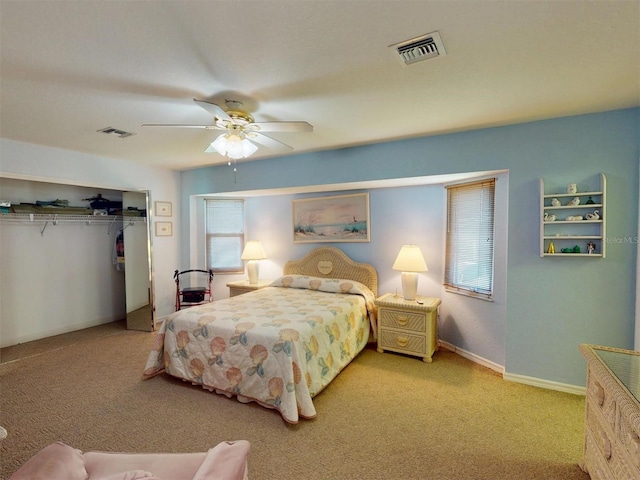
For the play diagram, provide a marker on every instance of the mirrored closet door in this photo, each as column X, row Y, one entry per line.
column 137, row 254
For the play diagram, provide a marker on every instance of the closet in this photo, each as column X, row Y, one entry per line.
column 62, row 272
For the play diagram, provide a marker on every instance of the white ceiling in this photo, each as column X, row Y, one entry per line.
column 70, row 68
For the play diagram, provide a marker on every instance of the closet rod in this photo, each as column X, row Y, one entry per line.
column 57, row 219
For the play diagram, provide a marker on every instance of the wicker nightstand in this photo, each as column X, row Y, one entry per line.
column 408, row 326
column 243, row 286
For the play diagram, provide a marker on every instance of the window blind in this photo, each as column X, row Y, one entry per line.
column 225, row 235
column 469, row 246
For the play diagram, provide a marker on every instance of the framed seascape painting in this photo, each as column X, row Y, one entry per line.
column 342, row 218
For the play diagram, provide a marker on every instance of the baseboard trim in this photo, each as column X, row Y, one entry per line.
column 548, row 384
column 511, row 377
column 52, row 332
column 472, row 356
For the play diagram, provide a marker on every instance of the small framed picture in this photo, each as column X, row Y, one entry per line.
column 164, row 229
column 163, row 209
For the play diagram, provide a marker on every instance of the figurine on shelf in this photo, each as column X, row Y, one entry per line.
column 552, row 248
column 575, row 201
column 572, row 188
column 574, row 218
column 555, row 202
column 589, row 201
column 593, row 216
column 591, row 248
column 549, row 218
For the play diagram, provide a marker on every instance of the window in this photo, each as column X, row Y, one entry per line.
column 225, row 235
column 469, row 255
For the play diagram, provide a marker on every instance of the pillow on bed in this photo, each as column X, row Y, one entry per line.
column 55, row 462
column 333, row 285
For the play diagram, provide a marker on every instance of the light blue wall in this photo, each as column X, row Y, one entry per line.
column 556, row 303
column 552, row 304
column 398, row 216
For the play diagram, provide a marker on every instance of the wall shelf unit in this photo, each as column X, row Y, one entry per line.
column 565, row 233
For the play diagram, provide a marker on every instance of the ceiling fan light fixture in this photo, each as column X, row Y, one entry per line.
column 233, row 145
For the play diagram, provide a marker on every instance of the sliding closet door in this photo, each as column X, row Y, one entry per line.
column 137, row 254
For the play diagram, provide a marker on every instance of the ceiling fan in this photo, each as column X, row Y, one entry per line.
column 241, row 130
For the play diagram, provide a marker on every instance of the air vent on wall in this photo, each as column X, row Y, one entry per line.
column 420, row 48
column 116, row 132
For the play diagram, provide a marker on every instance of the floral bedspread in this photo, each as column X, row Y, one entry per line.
column 279, row 346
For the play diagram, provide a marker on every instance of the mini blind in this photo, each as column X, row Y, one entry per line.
column 470, row 229
column 225, row 235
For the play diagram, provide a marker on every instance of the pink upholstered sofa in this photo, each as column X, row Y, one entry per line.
column 225, row 461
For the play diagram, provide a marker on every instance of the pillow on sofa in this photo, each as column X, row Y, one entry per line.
column 54, row 462
column 225, row 461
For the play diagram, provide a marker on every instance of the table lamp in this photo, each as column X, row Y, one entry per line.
column 253, row 252
column 410, row 261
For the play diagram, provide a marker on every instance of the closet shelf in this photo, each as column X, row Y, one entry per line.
column 61, row 218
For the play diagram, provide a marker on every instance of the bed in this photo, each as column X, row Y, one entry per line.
column 278, row 346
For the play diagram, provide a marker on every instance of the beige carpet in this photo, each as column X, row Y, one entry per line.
column 386, row 416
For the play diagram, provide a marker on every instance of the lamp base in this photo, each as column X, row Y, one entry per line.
column 253, row 268
column 409, row 285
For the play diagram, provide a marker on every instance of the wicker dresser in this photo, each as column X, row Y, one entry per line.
column 612, row 430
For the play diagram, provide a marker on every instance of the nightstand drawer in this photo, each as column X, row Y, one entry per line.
column 402, row 341
column 405, row 320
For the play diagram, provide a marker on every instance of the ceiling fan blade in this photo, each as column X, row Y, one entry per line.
column 267, row 141
column 182, row 125
column 213, row 109
column 279, row 127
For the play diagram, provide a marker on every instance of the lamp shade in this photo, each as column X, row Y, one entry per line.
column 253, row 251
column 233, row 145
column 410, row 259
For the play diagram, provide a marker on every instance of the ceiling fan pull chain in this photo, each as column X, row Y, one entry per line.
column 235, row 170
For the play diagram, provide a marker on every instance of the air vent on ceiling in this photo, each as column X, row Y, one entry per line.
column 116, row 132
column 420, row 48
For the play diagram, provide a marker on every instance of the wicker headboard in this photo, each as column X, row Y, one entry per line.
column 331, row 262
